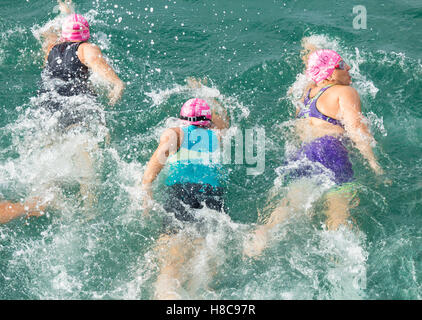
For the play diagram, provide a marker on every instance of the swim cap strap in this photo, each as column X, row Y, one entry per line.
column 193, row 119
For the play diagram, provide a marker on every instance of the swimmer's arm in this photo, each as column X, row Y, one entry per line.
column 353, row 120
column 10, row 211
column 51, row 36
column 49, row 39
column 168, row 145
column 308, row 48
column 92, row 57
column 220, row 119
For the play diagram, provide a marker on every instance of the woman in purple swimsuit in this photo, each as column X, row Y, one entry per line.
column 330, row 113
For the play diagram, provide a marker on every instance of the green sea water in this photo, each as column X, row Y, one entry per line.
column 250, row 53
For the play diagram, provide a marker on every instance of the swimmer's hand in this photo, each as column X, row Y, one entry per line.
column 376, row 167
column 382, row 179
column 307, row 45
column 387, row 182
column 35, row 207
column 65, row 7
column 147, row 200
column 116, row 93
column 196, row 83
column 308, row 48
column 380, row 174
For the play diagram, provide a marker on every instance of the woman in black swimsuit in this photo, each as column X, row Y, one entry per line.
column 68, row 99
column 70, row 59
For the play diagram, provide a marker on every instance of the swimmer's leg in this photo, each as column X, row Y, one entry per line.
column 203, row 266
column 257, row 241
column 173, row 252
column 339, row 203
column 294, row 202
column 83, row 160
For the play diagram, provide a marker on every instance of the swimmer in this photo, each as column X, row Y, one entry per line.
column 68, row 96
column 330, row 114
column 70, row 58
column 194, row 181
column 10, row 211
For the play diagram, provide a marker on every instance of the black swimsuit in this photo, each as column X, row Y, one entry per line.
column 63, row 64
column 66, row 76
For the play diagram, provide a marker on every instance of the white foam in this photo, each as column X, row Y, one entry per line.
column 231, row 104
column 348, row 271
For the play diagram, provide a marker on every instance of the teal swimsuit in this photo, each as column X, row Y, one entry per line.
column 195, row 174
column 197, row 160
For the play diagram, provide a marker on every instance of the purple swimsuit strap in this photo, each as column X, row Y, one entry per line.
column 311, row 109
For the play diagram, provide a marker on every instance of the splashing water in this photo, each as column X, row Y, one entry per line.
column 95, row 243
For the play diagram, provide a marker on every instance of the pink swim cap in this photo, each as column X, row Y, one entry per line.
column 197, row 112
column 75, row 28
column 321, row 64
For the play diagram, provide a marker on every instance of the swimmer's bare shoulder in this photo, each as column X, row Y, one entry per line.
column 345, row 90
column 337, row 97
column 172, row 131
column 170, row 135
column 88, row 51
column 347, row 97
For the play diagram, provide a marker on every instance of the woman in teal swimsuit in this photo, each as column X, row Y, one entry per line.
column 195, row 178
column 190, row 181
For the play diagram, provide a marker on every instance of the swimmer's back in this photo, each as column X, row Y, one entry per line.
column 65, row 61
column 329, row 105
